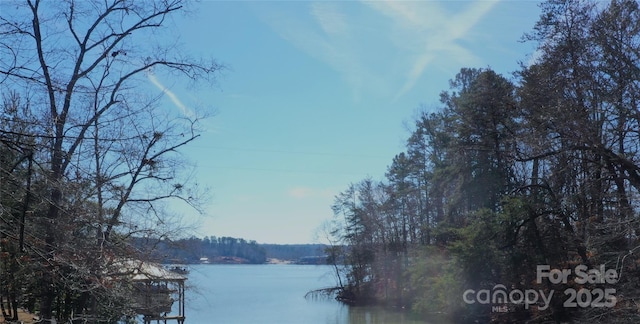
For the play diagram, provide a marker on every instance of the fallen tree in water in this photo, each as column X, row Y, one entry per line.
column 325, row 293
column 344, row 295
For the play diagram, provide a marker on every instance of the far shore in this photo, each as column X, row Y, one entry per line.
column 239, row 260
column 278, row 261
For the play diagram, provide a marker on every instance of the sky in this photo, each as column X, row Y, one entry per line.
column 318, row 95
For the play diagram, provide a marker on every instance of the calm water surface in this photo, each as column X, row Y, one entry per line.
column 272, row 294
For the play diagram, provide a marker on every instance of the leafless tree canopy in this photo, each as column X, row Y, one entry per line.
column 89, row 153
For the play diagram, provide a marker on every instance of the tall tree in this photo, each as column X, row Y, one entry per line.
column 482, row 107
column 579, row 99
column 106, row 154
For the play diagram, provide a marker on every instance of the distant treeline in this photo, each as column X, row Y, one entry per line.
column 225, row 250
column 293, row 252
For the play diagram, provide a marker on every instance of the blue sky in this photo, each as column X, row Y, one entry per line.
column 318, row 95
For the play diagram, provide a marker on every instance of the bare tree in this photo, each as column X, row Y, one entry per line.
column 107, row 157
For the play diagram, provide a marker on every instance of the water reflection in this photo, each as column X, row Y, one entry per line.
column 274, row 294
column 379, row 315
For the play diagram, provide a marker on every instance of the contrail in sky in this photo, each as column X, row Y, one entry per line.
column 176, row 101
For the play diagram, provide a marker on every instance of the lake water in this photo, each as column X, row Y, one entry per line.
column 272, row 294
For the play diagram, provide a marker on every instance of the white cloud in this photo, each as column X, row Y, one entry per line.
column 300, row 192
column 431, row 32
column 330, row 37
column 330, row 18
column 410, row 15
column 394, row 42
